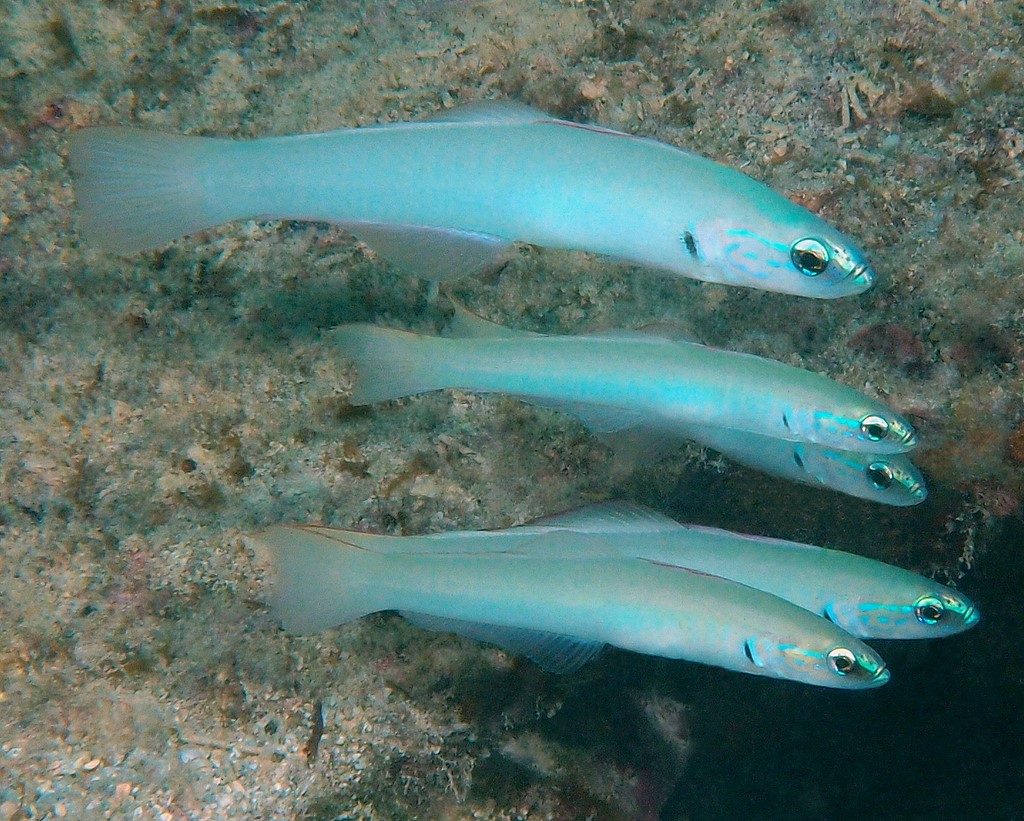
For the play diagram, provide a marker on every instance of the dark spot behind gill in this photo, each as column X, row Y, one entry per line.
column 690, row 241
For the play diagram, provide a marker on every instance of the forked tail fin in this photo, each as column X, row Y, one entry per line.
column 141, row 189
column 390, row 363
column 317, row 579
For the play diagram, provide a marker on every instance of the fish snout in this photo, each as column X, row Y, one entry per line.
column 880, row 676
column 863, row 277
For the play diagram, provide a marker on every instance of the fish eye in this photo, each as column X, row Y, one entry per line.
column 881, row 475
column 810, row 256
column 874, row 427
column 929, row 610
column 841, row 661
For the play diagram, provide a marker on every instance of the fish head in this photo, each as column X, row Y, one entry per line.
column 758, row 250
column 917, row 610
column 853, row 422
column 890, row 479
column 846, row 663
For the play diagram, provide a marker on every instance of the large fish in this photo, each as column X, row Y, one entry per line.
column 560, row 611
column 448, row 196
column 866, row 598
column 891, row 478
column 618, row 383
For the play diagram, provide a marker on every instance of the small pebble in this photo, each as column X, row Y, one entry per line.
column 594, row 89
column 189, row 754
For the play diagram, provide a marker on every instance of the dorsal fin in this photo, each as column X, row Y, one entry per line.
column 489, row 112
column 612, row 517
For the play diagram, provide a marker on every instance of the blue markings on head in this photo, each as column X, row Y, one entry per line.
column 842, row 458
column 903, row 608
column 742, row 233
column 730, row 255
column 832, row 423
column 890, row 615
column 801, row 655
column 751, row 247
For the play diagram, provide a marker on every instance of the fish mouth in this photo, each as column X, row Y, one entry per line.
column 880, row 676
column 917, row 491
column 862, row 276
column 971, row 616
column 909, row 437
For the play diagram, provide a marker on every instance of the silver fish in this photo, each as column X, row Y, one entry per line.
column 617, row 383
column 561, row 611
column 448, row 196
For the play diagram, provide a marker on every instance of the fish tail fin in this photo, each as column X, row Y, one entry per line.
column 140, row 189
column 391, row 363
column 317, row 579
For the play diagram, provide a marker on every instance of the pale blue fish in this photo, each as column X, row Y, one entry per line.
column 865, row 597
column 561, row 611
column 448, row 196
column 619, row 383
column 890, row 478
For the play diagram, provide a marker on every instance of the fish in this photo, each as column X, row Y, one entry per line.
column 616, row 383
column 560, row 611
column 867, row 598
column 452, row 195
column 890, row 479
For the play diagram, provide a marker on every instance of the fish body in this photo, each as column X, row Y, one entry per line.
column 447, row 196
column 865, row 597
column 619, row 383
column 560, row 610
column 890, row 479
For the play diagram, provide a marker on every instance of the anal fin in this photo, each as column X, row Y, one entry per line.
column 599, row 419
column 553, row 652
column 433, row 253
